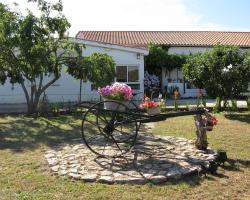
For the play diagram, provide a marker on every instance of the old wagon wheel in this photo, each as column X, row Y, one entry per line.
column 109, row 132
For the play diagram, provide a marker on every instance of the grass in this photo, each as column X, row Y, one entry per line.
column 24, row 173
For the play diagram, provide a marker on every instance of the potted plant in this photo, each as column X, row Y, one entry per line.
column 117, row 92
column 152, row 107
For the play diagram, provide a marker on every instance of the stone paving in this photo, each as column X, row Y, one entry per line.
column 154, row 159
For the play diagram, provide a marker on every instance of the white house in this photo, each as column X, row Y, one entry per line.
column 128, row 49
column 129, row 65
column 179, row 42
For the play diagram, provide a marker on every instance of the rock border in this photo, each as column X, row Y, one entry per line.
column 155, row 159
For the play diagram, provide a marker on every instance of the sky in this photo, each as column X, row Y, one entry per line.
column 153, row 15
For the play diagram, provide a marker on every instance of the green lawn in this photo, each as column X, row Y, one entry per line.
column 24, row 173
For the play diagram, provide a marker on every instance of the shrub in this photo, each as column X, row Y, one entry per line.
column 234, row 105
column 151, row 80
column 175, row 105
column 248, row 103
column 223, row 71
column 217, row 106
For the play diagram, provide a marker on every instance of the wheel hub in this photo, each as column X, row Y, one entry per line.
column 108, row 129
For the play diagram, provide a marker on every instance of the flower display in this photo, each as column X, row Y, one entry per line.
column 213, row 120
column 151, row 80
column 176, row 94
column 210, row 120
column 148, row 103
column 116, row 91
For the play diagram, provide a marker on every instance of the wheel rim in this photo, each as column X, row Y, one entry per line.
column 109, row 133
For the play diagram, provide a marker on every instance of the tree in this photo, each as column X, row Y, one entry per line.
column 223, row 71
column 33, row 48
column 97, row 68
column 159, row 58
column 156, row 59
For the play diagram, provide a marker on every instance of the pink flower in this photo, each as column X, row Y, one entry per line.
column 117, row 91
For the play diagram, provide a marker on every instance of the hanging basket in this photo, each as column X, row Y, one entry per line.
column 115, row 105
column 209, row 122
column 154, row 111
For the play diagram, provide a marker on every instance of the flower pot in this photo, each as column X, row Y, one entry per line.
column 209, row 128
column 115, row 105
column 154, row 111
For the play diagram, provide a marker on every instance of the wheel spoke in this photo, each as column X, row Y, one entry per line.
column 109, row 132
column 91, row 122
column 116, row 143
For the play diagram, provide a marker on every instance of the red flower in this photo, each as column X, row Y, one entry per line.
column 176, row 93
column 149, row 104
column 199, row 92
column 213, row 120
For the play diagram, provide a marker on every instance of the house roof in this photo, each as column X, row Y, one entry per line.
column 143, row 51
column 173, row 38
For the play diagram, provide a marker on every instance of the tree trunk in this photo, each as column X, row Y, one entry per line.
column 32, row 107
column 33, row 102
column 201, row 140
column 33, row 98
column 217, row 106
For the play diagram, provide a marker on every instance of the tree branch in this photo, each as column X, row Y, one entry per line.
column 25, row 92
column 48, row 84
column 33, row 90
column 38, row 92
column 40, row 82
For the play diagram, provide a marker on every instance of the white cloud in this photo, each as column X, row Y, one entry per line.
column 130, row 15
column 141, row 15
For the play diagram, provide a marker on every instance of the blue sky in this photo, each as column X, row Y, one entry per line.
column 228, row 14
column 154, row 15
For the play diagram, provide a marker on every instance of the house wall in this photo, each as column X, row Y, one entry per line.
column 64, row 89
column 121, row 58
column 67, row 88
column 187, row 50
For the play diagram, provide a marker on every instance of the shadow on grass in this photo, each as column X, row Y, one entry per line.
column 242, row 117
column 236, row 164
column 25, row 133
column 22, row 133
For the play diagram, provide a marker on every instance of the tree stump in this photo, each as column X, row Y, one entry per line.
column 201, row 142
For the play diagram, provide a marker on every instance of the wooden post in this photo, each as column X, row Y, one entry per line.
column 201, row 141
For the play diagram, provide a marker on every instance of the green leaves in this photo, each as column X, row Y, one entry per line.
column 33, row 47
column 103, row 69
column 30, row 45
column 97, row 68
column 159, row 58
column 224, row 71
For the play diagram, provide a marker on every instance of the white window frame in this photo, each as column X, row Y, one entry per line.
column 130, row 65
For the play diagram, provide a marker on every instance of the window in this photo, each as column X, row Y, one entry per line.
column 128, row 74
column 133, row 74
column 121, row 73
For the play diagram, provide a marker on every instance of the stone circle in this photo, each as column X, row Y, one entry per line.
column 154, row 159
